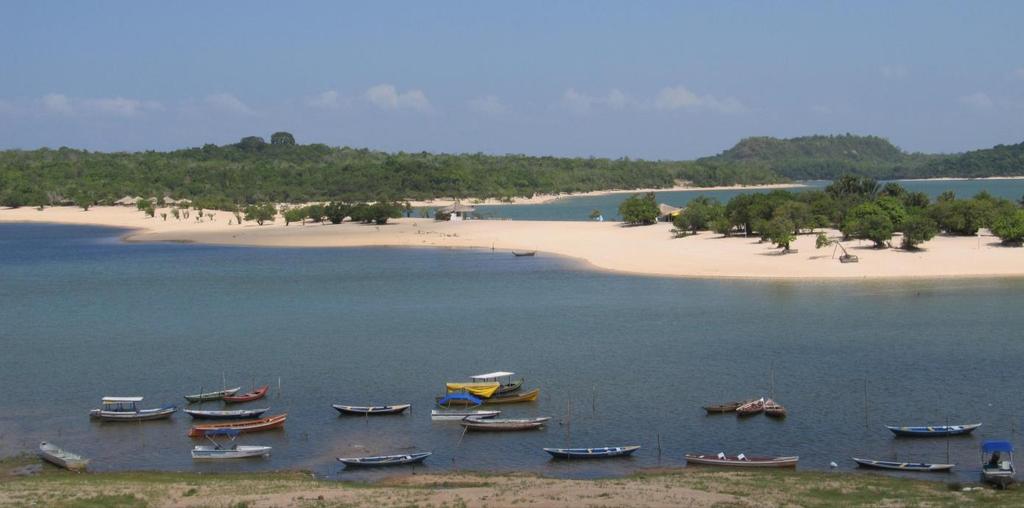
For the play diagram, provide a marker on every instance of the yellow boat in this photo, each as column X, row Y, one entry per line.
column 482, row 390
column 529, row 396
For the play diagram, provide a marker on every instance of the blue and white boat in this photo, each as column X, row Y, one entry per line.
column 933, row 430
column 903, row 466
column 997, row 463
column 592, row 453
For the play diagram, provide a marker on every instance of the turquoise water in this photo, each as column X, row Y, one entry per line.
column 84, row 315
column 579, row 208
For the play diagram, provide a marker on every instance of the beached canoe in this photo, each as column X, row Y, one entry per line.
column 256, row 394
column 126, row 409
column 371, row 410
column 903, row 466
column 524, row 254
column 238, row 414
column 268, row 423
column 740, row 460
column 204, row 452
column 933, row 431
column 751, row 408
column 592, row 453
column 504, row 424
column 217, row 395
column 384, row 460
column 529, row 396
column 62, row 458
column 456, row 414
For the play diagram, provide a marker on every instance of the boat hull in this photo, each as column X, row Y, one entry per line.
column 133, row 416
column 237, row 452
column 933, row 431
column 503, row 425
column 371, row 410
column 62, row 458
column 592, row 453
column 529, row 396
column 256, row 394
column 218, row 395
column 441, row 415
column 384, row 460
column 226, row 415
column 903, row 466
column 269, row 423
column 735, row 461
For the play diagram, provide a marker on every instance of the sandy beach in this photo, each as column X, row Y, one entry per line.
column 645, row 250
column 540, row 199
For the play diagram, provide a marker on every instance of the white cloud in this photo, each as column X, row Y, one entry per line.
column 894, row 71
column 979, row 100
column 120, row 106
column 57, row 103
column 680, row 97
column 229, row 103
column 329, row 99
column 488, row 105
column 386, row 96
column 581, row 102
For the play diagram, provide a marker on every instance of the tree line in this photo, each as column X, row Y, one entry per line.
column 859, row 207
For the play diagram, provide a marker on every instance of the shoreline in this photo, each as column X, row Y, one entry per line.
column 606, row 246
column 27, row 482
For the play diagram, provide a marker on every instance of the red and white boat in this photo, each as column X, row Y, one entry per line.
column 256, row 394
column 751, row 408
column 271, row 422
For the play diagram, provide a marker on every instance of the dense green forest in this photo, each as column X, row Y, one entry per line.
column 828, row 157
column 255, row 171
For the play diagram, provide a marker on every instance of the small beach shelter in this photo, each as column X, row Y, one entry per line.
column 666, row 213
column 457, row 211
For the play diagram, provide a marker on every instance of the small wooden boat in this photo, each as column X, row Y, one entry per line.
column 933, row 431
column 62, row 458
column 740, row 460
column 268, row 423
column 218, row 451
column 481, row 390
column 751, row 408
column 592, row 453
column 455, row 414
column 126, row 409
column 504, row 379
column 208, row 396
column 524, row 253
column 728, row 407
column 238, row 414
column 256, row 394
column 504, row 424
column 997, row 463
column 371, row 410
column 903, row 466
column 774, row 409
column 384, row 460
column 529, row 396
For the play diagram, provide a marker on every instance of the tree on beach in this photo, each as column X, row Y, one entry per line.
column 1010, row 228
column 336, row 212
column 917, row 228
column 868, row 221
column 291, row 215
column 700, row 213
column 780, row 232
column 316, row 212
column 639, row 209
column 260, row 213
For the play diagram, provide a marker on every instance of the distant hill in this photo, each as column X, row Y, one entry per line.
column 823, row 157
column 1000, row 160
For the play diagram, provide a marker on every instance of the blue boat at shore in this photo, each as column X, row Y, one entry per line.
column 934, row 430
column 591, row 453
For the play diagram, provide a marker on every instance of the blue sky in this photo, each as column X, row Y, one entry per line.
column 659, row 80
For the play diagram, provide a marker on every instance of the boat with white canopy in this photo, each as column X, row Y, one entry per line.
column 126, row 409
column 506, row 383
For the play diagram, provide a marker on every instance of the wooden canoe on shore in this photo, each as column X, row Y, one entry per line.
column 903, row 466
column 256, row 394
column 740, row 460
column 268, row 423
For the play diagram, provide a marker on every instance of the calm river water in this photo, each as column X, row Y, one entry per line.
column 83, row 315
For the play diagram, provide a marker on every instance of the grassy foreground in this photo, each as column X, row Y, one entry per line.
column 690, row 487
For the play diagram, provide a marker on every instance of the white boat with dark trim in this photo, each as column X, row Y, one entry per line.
column 455, row 414
column 233, row 451
column 126, row 409
column 903, row 466
column 234, row 414
column 592, row 453
column 385, row 460
column 63, row 458
column 217, row 395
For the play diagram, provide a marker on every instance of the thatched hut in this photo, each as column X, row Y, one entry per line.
column 666, row 213
column 454, row 212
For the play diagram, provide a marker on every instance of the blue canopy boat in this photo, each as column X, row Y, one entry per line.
column 385, row 460
column 591, row 453
column 934, row 430
column 997, row 468
column 459, row 399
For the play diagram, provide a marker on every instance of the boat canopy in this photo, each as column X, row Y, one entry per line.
column 996, row 446
column 492, row 375
column 115, row 400
column 222, row 432
column 460, row 396
column 484, row 390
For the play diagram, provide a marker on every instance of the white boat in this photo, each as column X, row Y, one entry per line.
column 126, row 409
column 455, row 414
column 219, row 451
column 65, row 459
column 997, row 463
